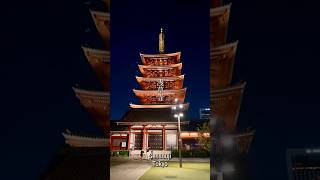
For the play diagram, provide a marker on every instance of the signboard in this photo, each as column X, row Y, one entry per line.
column 123, row 144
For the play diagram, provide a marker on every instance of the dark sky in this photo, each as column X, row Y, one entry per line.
column 41, row 60
column 278, row 55
column 135, row 26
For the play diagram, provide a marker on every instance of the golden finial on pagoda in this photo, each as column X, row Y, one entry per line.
column 161, row 41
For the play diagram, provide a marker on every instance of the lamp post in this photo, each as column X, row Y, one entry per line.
column 178, row 113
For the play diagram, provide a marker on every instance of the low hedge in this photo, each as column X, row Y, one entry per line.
column 120, row 153
column 191, row 153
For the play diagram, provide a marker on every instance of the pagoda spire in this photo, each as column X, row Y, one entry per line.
column 161, row 41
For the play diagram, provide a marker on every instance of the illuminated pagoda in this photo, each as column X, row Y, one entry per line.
column 230, row 145
column 151, row 124
column 87, row 157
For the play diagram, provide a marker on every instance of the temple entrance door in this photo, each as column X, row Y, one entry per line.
column 155, row 141
column 138, row 141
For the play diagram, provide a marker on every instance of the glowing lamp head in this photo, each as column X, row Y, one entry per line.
column 181, row 114
column 174, row 107
column 175, row 115
column 180, row 106
column 176, row 100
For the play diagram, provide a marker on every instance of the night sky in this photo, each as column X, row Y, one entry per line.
column 278, row 56
column 41, row 60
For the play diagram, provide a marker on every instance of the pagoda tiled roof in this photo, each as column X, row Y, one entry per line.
column 174, row 82
column 116, row 128
column 93, row 98
column 224, row 49
column 164, row 67
column 160, row 59
column 97, row 103
column 221, row 68
column 161, row 71
column 226, row 103
column 100, row 62
column 96, row 55
column 149, row 115
column 148, row 96
column 85, row 141
column 176, row 54
column 185, row 106
column 101, row 20
column 219, row 25
column 217, row 11
column 173, row 78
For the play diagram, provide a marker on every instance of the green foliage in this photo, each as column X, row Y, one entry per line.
column 201, row 154
column 204, row 139
column 124, row 153
column 191, row 153
column 174, row 153
column 120, row 153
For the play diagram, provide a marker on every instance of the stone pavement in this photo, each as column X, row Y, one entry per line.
column 123, row 168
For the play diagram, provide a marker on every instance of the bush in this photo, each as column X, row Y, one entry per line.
column 186, row 154
column 201, row 154
column 120, row 153
column 174, row 153
column 190, row 153
column 124, row 153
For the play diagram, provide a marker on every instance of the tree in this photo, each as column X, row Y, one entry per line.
column 204, row 136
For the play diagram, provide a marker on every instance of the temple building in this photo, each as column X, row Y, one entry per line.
column 151, row 124
column 230, row 145
column 82, row 156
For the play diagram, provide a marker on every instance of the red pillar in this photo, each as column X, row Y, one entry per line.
column 110, row 142
column 163, row 138
column 129, row 136
column 144, row 143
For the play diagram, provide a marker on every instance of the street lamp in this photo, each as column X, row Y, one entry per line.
column 178, row 113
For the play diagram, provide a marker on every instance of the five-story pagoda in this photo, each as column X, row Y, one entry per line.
column 151, row 124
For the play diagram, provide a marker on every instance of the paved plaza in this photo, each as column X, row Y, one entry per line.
column 123, row 168
column 189, row 171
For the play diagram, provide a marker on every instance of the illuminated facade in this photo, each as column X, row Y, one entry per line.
column 151, row 124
